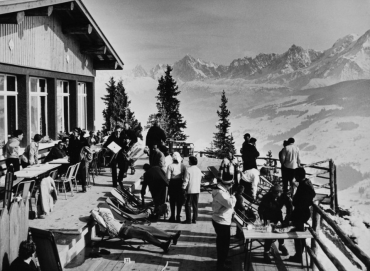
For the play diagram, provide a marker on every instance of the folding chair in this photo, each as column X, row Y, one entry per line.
column 135, row 219
column 74, row 175
column 126, row 206
column 8, row 187
column 131, row 198
column 28, row 186
column 66, row 179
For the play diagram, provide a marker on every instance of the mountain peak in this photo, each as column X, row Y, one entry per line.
column 139, row 71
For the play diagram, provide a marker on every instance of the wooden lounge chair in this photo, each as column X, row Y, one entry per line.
column 131, row 198
column 125, row 205
column 135, row 219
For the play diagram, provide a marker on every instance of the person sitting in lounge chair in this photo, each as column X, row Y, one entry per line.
column 128, row 231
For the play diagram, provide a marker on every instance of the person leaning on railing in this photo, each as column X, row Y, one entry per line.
column 11, row 150
column 31, row 153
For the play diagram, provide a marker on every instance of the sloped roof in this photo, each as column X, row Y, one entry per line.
column 78, row 16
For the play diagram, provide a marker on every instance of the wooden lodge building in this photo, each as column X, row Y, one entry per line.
column 50, row 51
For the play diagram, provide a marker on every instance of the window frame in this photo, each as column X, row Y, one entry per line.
column 63, row 95
column 5, row 93
column 82, row 104
column 38, row 94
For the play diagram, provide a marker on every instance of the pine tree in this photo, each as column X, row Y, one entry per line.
column 168, row 116
column 109, row 102
column 118, row 108
column 223, row 142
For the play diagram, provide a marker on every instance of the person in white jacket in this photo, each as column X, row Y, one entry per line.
column 223, row 209
column 191, row 187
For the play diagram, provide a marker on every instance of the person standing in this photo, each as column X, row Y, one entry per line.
column 223, row 208
column 302, row 201
column 247, row 137
column 157, row 159
column 191, row 186
column 31, row 152
column 156, row 180
column 270, row 210
column 175, row 176
column 74, row 146
column 227, row 168
column 250, row 154
column 129, row 138
column 250, row 180
column 291, row 161
column 11, row 150
column 155, row 136
column 118, row 158
column 285, row 185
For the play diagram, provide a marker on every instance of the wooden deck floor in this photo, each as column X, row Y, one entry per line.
column 195, row 249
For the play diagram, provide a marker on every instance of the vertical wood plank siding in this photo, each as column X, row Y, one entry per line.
column 40, row 43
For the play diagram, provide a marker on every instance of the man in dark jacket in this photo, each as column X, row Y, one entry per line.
column 56, row 152
column 74, row 146
column 155, row 136
column 270, row 209
column 118, row 158
column 250, row 154
column 156, row 180
column 302, row 201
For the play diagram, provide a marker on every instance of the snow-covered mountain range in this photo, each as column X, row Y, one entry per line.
column 298, row 68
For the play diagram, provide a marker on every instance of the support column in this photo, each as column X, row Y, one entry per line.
column 73, row 99
column 90, row 100
column 24, row 109
column 52, row 108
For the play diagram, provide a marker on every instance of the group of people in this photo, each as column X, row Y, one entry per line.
column 166, row 175
column 240, row 180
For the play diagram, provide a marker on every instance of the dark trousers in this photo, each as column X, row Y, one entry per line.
column 191, row 202
column 288, row 177
column 15, row 162
column 222, row 242
column 122, row 162
column 24, row 164
column 176, row 197
column 299, row 217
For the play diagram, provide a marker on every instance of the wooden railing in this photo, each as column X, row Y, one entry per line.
column 13, row 230
column 327, row 172
column 317, row 217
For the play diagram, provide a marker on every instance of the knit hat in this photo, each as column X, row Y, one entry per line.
column 177, row 157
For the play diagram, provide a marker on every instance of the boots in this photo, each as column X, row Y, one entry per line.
column 166, row 246
column 176, row 237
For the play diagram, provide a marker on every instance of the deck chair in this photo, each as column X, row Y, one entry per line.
column 131, row 198
column 121, row 201
column 74, row 175
column 135, row 219
column 65, row 179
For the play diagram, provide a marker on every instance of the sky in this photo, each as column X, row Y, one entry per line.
column 149, row 32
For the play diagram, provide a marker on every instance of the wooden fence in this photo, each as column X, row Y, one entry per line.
column 317, row 217
column 324, row 170
column 13, row 230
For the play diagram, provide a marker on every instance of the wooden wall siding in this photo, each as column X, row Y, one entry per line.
column 13, row 230
column 40, row 43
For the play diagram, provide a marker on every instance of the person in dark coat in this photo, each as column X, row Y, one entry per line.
column 156, row 180
column 302, row 201
column 74, row 146
column 155, row 136
column 56, row 152
column 24, row 260
column 270, row 209
column 128, row 136
column 239, row 207
column 119, row 158
column 250, row 155
column 247, row 137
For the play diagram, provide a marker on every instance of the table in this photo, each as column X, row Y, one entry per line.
column 42, row 167
column 60, row 161
column 252, row 235
column 29, row 174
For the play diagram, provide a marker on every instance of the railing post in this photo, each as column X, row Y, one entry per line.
column 201, row 154
column 335, row 189
column 316, row 226
column 331, row 182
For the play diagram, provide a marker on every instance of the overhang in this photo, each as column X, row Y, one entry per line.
column 76, row 21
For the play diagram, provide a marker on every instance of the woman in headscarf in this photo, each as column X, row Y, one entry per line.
column 175, row 176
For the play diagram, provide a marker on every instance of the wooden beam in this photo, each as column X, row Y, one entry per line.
column 94, row 50
column 12, row 18
column 78, row 30
column 44, row 11
column 65, row 7
column 105, row 65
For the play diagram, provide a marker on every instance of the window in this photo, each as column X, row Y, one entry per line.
column 62, row 106
column 8, row 107
column 82, row 106
column 38, row 106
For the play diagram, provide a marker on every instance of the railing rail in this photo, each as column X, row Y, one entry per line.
column 330, row 170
